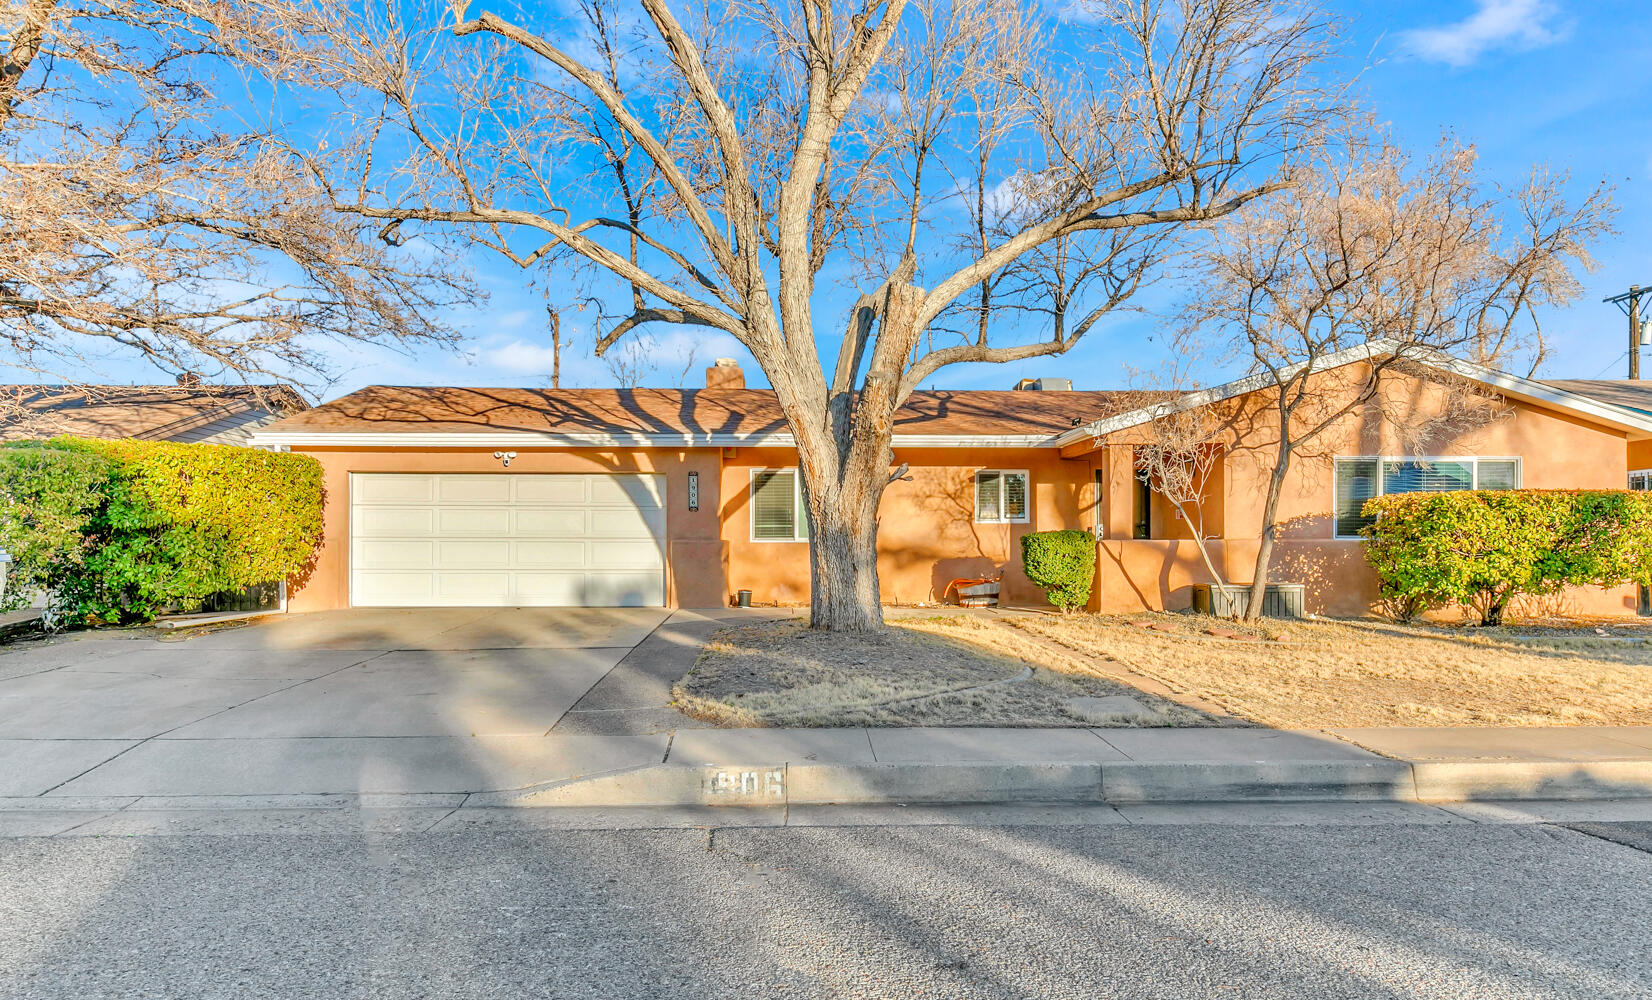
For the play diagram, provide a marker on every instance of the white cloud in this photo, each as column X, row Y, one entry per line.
column 519, row 357
column 1495, row 24
column 666, row 357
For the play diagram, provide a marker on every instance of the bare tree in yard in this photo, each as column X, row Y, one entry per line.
column 139, row 217
column 796, row 144
column 1181, row 449
column 1373, row 248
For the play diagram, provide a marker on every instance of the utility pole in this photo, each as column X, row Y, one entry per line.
column 556, row 346
column 1630, row 303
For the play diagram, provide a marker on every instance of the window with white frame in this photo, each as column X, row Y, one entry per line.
column 1356, row 480
column 777, row 507
column 1001, row 497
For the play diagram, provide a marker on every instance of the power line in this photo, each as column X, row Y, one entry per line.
column 1610, row 365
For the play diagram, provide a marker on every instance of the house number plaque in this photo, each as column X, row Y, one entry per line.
column 693, row 491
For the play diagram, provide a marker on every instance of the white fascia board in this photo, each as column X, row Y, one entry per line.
column 973, row 441
column 492, row 439
column 528, row 439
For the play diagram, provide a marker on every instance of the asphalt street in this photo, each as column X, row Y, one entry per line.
column 1171, row 911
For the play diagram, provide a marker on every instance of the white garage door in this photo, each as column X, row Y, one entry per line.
column 507, row 541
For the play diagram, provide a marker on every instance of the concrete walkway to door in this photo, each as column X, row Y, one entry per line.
column 431, row 701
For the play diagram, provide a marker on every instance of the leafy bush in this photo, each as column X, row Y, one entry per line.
column 1062, row 563
column 174, row 524
column 1483, row 548
column 47, row 495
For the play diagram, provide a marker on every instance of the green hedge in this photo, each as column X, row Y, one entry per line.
column 1483, row 548
column 1063, row 563
column 47, row 497
column 126, row 530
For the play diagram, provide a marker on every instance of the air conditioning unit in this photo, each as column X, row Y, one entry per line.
column 1281, row 600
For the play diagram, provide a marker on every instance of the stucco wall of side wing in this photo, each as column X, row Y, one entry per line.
column 1557, row 450
column 927, row 533
column 697, row 561
column 1640, row 454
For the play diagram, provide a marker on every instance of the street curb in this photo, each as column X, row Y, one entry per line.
column 1116, row 783
column 1459, row 781
column 1120, row 783
column 1286, row 781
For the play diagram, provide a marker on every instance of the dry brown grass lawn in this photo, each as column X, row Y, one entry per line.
column 1026, row 671
column 1330, row 674
column 935, row 672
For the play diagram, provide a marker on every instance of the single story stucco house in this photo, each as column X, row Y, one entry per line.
column 508, row 497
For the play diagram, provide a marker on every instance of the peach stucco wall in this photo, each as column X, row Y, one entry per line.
column 927, row 534
column 1557, row 452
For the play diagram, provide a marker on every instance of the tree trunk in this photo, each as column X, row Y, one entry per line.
column 1497, row 602
column 1264, row 549
column 1218, row 580
column 843, row 566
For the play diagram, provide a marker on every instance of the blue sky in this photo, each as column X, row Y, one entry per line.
column 1565, row 83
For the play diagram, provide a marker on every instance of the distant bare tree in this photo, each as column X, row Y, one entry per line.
column 1371, row 247
column 139, row 214
column 632, row 363
column 753, row 147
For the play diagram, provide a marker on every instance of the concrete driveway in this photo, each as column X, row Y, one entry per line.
column 435, row 701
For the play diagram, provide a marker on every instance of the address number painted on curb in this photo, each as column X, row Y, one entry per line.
column 760, row 782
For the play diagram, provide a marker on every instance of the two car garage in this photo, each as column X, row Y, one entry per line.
column 506, row 540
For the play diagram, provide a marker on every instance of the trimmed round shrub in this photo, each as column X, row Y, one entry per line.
column 172, row 524
column 1483, row 548
column 1062, row 563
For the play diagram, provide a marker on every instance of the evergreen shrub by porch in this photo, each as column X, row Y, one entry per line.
column 1062, row 563
column 1483, row 548
column 161, row 525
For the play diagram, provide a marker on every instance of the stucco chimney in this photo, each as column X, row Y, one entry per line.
column 725, row 374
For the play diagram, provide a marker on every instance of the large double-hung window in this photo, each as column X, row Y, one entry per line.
column 1356, row 480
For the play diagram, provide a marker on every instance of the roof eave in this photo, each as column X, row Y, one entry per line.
column 536, row 439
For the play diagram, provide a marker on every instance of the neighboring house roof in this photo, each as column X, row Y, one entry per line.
column 424, row 416
column 1636, row 395
column 1633, row 422
column 212, row 414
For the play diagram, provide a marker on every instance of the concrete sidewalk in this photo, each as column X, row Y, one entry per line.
column 757, row 767
column 815, row 767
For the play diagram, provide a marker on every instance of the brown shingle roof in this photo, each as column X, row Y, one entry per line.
column 740, row 412
column 1618, row 391
column 162, row 412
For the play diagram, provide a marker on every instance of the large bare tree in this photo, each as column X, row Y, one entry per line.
column 146, row 209
column 1370, row 246
column 741, row 166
